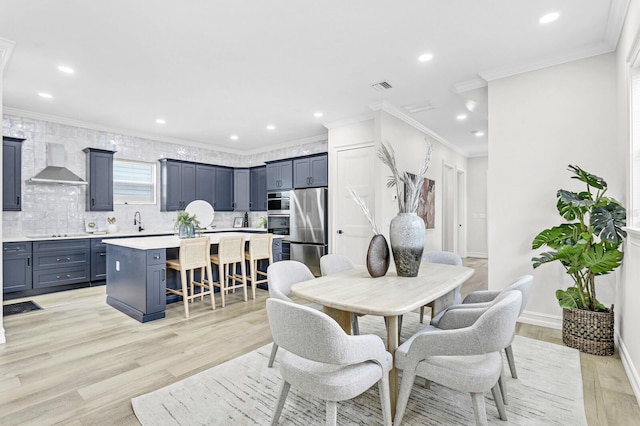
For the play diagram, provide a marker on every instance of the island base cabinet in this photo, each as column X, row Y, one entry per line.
column 136, row 282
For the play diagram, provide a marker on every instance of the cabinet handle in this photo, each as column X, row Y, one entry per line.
column 164, row 274
column 29, row 261
column 233, row 204
column 68, row 259
column 93, row 202
column 11, row 250
column 58, row 277
column 103, row 254
column 156, row 257
column 18, row 200
column 310, row 180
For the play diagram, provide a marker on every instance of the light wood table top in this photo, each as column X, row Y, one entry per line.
column 389, row 296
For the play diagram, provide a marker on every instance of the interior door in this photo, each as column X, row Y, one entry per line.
column 352, row 232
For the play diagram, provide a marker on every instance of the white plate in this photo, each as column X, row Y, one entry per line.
column 203, row 211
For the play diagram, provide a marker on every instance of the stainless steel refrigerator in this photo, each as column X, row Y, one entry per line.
column 308, row 227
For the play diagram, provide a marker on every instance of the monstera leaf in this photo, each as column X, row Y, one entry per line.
column 557, row 236
column 569, row 298
column 572, row 205
column 607, row 222
column 586, row 177
column 601, row 261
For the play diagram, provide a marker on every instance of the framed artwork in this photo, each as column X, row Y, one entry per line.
column 427, row 203
column 237, row 222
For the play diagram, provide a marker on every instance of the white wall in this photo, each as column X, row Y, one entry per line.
column 540, row 122
column 477, row 206
column 4, row 54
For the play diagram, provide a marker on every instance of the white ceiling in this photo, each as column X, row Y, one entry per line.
column 216, row 68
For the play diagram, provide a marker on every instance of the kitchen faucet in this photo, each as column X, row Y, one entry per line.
column 137, row 220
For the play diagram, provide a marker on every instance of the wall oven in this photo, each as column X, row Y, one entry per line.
column 278, row 203
column 278, row 224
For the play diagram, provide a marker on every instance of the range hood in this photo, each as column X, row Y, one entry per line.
column 56, row 172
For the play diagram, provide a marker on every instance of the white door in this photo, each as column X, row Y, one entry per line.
column 352, row 232
column 461, row 213
column 448, row 208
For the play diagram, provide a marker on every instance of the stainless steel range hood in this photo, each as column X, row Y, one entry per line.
column 56, row 172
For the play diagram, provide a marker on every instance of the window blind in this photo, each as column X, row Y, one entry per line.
column 134, row 182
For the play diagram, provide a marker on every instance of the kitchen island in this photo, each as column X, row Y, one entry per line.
column 137, row 275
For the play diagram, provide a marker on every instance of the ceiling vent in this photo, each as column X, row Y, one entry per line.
column 420, row 107
column 382, row 86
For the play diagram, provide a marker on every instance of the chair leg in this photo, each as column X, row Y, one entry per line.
column 427, row 384
column 403, row 397
column 185, row 293
column 272, row 357
column 355, row 326
column 503, row 387
column 385, row 398
column 210, row 281
column 191, row 293
column 421, row 314
column 283, row 397
column 254, row 278
column 244, row 280
column 479, row 410
column 222, row 279
column 512, row 362
column 332, row 413
column 497, row 397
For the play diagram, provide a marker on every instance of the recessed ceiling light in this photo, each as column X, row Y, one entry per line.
column 426, row 57
column 234, row 137
column 65, row 69
column 160, row 121
column 45, row 95
column 271, row 127
column 317, row 114
column 461, row 117
column 549, row 18
column 478, row 133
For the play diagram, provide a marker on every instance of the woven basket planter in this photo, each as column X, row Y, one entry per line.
column 588, row 331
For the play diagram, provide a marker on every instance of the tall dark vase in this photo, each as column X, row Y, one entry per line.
column 378, row 256
column 406, row 234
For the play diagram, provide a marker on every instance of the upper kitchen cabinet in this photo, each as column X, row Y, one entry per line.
column 310, row 172
column 280, row 175
column 241, row 190
column 224, row 189
column 178, row 183
column 205, row 186
column 11, row 174
column 258, row 200
column 100, row 174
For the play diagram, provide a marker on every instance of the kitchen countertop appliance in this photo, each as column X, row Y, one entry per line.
column 308, row 226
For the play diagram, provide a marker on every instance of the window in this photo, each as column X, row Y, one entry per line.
column 134, row 182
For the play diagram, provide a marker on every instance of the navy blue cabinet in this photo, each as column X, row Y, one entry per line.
column 224, row 189
column 310, row 172
column 178, row 184
column 16, row 267
column 280, row 175
column 11, row 173
column 241, row 190
column 100, row 174
column 205, row 183
column 61, row 262
column 258, row 196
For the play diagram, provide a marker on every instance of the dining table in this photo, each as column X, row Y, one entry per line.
column 389, row 296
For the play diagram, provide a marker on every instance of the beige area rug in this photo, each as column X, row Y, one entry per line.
column 243, row 391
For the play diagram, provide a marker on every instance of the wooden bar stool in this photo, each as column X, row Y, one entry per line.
column 194, row 254
column 260, row 248
column 230, row 253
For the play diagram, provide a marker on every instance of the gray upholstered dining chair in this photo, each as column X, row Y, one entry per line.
column 332, row 366
column 445, row 258
column 483, row 298
column 332, row 264
column 280, row 277
column 467, row 359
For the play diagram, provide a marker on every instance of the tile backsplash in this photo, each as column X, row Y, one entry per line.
column 60, row 209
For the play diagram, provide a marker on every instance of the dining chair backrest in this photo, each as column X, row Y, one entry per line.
column 523, row 284
column 231, row 249
column 334, row 263
column 443, row 257
column 282, row 275
column 194, row 252
column 261, row 246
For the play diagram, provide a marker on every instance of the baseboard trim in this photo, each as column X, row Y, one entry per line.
column 629, row 368
column 542, row 320
column 479, row 255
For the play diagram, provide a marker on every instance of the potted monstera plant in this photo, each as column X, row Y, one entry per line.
column 587, row 245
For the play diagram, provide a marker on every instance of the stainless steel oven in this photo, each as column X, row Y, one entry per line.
column 278, row 203
column 278, row 224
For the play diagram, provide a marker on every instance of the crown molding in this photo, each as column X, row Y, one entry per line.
column 468, row 85
column 6, row 49
column 615, row 22
column 289, row 144
column 394, row 111
column 594, row 50
column 345, row 122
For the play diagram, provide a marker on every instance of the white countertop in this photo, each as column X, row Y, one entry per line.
column 171, row 241
column 126, row 234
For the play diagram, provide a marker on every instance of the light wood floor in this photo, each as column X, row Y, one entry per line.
column 79, row 361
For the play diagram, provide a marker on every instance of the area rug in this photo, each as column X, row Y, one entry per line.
column 19, row 308
column 243, row 391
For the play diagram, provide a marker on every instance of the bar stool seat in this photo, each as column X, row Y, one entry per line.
column 230, row 253
column 260, row 248
column 194, row 254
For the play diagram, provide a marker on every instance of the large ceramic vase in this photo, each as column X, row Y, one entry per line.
column 378, row 256
column 406, row 234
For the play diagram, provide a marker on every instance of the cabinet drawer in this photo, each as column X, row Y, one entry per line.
column 60, row 276
column 9, row 249
column 59, row 245
column 99, row 242
column 53, row 260
column 156, row 257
